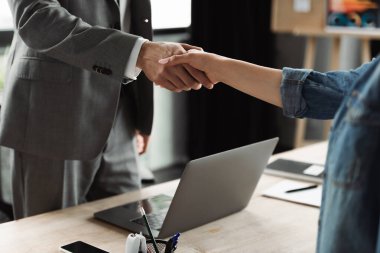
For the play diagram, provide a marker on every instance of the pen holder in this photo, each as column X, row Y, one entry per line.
column 162, row 246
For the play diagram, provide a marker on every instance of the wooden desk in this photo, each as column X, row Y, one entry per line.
column 266, row 225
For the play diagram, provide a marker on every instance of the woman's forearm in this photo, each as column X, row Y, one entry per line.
column 260, row 82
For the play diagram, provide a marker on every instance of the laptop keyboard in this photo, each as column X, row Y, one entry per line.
column 155, row 220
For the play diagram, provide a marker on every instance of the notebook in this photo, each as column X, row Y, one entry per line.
column 296, row 170
column 311, row 197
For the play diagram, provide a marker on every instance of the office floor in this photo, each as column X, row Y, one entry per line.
column 163, row 175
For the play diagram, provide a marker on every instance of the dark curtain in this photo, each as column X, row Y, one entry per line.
column 224, row 118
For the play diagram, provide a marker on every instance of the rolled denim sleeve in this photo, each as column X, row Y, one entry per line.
column 312, row 94
column 294, row 104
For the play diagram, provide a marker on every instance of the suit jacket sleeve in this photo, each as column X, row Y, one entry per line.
column 47, row 27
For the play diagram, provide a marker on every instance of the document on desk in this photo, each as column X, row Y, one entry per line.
column 311, row 197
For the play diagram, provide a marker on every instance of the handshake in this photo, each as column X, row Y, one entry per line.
column 177, row 67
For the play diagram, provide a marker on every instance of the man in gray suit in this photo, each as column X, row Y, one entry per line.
column 66, row 115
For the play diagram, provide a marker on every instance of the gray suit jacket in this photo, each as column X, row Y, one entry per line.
column 66, row 65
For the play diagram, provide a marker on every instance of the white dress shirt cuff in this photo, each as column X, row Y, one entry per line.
column 131, row 71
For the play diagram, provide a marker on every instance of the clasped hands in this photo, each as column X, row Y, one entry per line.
column 162, row 64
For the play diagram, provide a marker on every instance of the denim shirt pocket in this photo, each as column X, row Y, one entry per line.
column 354, row 145
column 361, row 113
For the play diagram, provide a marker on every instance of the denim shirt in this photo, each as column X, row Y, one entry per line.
column 350, row 211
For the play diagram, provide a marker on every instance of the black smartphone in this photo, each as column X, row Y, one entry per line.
column 80, row 247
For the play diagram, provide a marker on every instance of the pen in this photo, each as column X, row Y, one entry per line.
column 175, row 240
column 171, row 245
column 302, row 189
column 150, row 231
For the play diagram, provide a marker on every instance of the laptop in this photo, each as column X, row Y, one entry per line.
column 210, row 188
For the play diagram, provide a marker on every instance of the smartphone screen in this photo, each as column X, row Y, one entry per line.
column 81, row 247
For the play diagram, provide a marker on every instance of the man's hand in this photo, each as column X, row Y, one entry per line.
column 142, row 141
column 175, row 78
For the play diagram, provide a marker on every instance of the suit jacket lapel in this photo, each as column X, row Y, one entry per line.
column 125, row 15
